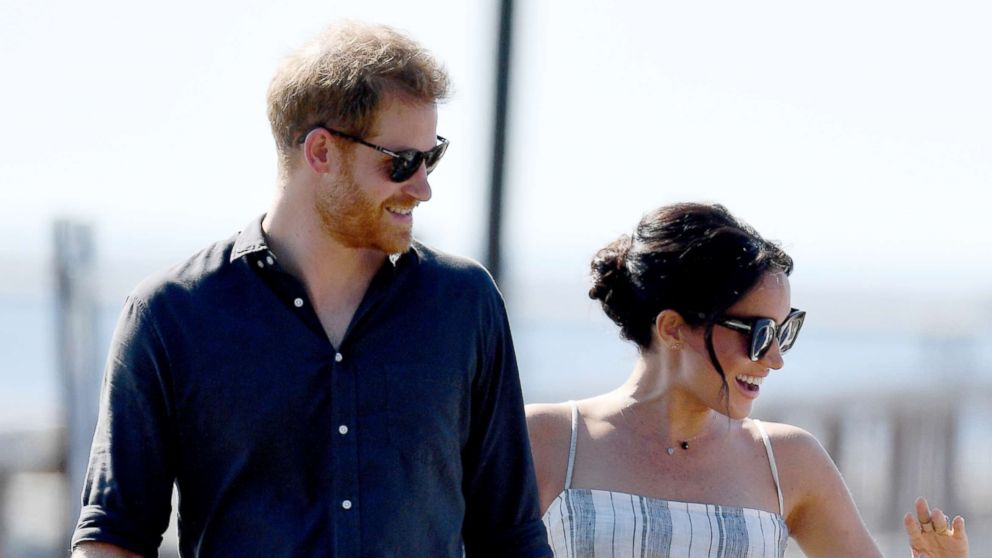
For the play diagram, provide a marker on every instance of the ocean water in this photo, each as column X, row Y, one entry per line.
column 559, row 359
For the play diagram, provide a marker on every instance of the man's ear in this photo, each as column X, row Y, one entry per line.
column 669, row 327
column 317, row 150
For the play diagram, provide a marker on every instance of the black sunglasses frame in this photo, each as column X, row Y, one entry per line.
column 754, row 326
column 405, row 163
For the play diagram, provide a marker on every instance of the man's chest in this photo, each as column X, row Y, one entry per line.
column 278, row 394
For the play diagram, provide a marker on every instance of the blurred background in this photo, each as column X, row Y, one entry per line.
column 858, row 134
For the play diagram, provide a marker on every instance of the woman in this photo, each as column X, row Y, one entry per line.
column 668, row 464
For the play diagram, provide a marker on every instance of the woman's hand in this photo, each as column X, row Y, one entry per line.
column 930, row 536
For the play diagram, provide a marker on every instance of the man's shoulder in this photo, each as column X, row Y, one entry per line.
column 447, row 265
column 188, row 277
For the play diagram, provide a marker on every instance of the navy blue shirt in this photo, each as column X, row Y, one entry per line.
column 407, row 440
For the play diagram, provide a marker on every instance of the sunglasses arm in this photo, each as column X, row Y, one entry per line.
column 736, row 325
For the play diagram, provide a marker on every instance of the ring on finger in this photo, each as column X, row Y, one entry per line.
column 927, row 526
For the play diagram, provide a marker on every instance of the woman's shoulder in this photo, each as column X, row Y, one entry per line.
column 549, row 426
column 818, row 508
column 789, row 441
column 803, row 463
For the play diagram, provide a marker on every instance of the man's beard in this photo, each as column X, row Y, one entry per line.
column 356, row 221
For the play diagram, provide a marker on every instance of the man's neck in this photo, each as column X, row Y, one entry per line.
column 331, row 272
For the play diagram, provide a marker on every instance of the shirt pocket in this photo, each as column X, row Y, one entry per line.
column 425, row 410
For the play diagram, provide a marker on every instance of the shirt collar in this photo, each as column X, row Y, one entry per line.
column 250, row 240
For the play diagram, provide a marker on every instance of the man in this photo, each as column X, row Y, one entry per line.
column 320, row 384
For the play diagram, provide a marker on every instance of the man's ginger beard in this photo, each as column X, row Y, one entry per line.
column 353, row 219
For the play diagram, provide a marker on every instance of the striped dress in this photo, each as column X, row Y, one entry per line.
column 588, row 523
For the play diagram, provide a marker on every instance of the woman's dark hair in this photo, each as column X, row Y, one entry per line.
column 696, row 259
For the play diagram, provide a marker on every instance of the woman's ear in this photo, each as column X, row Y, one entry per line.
column 669, row 325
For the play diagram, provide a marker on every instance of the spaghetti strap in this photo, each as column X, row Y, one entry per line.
column 571, row 445
column 771, row 462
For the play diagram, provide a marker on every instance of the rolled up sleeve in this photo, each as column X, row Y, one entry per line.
column 127, row 491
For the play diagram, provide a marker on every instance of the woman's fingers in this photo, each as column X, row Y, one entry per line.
column 958, row 525
column 911, row 524
column 931, row 530
column 922, row 510
column 939, row 520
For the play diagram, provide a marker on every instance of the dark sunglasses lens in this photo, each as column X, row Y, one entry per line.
column 408, row 162
column 789, row 332
column 761, row 338
column 434, row 156
column 406, row 165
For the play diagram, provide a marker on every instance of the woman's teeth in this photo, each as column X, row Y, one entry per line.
column 750, row 382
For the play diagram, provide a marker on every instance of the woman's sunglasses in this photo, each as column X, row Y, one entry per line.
column 405, row 163
column 764, row 330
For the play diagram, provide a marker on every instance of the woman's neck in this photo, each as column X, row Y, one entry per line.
column 652, row 403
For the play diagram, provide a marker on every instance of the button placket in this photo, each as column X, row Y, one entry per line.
column 344, row 442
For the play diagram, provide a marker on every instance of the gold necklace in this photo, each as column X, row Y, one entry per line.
column 684, row 444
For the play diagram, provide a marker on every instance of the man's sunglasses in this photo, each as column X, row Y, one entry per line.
column 764, row 330
column 405, row 163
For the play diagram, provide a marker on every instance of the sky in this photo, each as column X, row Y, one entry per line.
column 149, row 121
column 856, row 133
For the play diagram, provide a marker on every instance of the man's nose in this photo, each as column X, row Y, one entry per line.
column 417, row 186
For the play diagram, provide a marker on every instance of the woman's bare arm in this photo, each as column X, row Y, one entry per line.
column 549, row 429
column 820, row 512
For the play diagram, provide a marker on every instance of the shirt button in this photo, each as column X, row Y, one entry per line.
column 343, row 429
column 261, row 263
column 338, row 357
column 269, row 260
column 298, row 302
column 346, row 504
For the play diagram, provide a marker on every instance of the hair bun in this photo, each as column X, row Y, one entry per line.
column 696, row 259
column 611, row 278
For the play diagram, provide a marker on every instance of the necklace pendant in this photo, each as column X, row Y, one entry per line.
column 671, row 451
